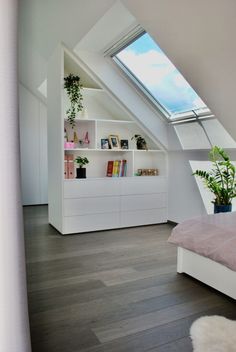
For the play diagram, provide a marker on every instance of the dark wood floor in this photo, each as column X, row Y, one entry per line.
column 111, row 291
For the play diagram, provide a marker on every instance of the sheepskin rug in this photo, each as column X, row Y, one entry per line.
column 213, row 334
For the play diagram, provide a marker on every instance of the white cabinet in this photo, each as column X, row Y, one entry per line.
column 113, row 203
column 99, row 202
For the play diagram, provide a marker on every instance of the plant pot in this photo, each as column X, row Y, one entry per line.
column 222, row 208
column 141, row 146
column 81, row 172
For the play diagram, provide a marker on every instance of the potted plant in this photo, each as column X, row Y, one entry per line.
column 140, row 142
column 81, row 171
column 73, row 88
column 220, row 180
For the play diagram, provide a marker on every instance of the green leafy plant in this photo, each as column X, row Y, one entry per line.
column 73, row 88
column 221, row 178
column 81, row 161
column 140, row 142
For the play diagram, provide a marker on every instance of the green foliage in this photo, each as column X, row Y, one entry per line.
column 221, row 178
column 73, row 88
column 81, row 161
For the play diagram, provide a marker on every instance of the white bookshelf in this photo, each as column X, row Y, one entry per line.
column 99, row 202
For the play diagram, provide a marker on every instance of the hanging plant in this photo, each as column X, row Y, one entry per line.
column 73, row 89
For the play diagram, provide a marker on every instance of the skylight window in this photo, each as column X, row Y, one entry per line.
column 150, row 68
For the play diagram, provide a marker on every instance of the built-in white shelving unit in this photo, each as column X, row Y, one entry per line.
column 99, row 202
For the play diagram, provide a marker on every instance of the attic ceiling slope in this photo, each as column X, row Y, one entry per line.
column 199, row 38
column 43, row 24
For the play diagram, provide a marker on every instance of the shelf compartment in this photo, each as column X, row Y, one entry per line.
column 81, row 127
column 97, row 167
column 150, row 160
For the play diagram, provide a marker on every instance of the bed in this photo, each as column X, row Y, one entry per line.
column 207, row 250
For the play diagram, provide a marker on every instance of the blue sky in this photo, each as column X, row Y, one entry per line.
column 152, row 67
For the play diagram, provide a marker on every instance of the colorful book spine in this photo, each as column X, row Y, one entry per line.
column 109, row 168
column 121, row 168
column 125, row 167
column 115, row 168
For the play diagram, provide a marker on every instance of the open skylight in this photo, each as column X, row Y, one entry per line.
column 144, row 61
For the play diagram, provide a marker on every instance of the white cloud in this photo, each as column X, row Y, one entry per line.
column 150, row 67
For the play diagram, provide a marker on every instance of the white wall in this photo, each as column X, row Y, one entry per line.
column 184, row 199
column 14, row 323
column 33, row 145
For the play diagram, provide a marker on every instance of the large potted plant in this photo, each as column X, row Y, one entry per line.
column 73, row 89
column 220, row 180
column 81, row 170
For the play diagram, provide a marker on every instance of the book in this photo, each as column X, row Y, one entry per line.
column 124, row 168
column 115, row 168
column 109, row 168
column 121, row 168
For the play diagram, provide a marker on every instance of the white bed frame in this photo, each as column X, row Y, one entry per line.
column 206, row 270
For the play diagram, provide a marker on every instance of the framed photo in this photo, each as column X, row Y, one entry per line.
column 104, row 143
column 124, row 144
column 114, row 141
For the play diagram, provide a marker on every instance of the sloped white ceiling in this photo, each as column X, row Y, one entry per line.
column 199, row 38
column 45, row 23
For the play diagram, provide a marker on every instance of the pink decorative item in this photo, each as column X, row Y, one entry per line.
column 86, row 138
column 69, row 145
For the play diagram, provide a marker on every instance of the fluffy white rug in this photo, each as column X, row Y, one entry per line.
column 213, row 334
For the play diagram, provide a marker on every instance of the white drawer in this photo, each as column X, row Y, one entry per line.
column 91, row 222
column 91, row 188
column 143, row 185
column 143, row 201
column 143, row 217
column 97, row 205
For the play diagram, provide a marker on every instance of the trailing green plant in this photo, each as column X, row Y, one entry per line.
column 220, row 180
column 140, row 142
column 81, row 161
column 73, row 89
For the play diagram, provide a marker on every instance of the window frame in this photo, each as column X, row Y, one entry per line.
column 115, row 49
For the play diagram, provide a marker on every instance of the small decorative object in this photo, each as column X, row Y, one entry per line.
column 104, row 143
column 114, row 142
column 147, row 172
column 76, row 139
column 81, row 171
column 73, row 88
column 69, row 145
column 81, row 143
column 140, row 142
column 124, row 144
column 220, row 180
column 86, row 138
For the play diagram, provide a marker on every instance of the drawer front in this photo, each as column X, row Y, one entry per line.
column 91, row 222
column 143, row 185
column 97, row 205
column 143, row 201
column 143, row 217
column 91, row 188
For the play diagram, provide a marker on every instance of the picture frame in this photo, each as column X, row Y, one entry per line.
column 104, row 143
column 114, row 141
column 124, row 144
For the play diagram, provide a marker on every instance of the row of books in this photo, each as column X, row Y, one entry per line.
column 116, row 168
